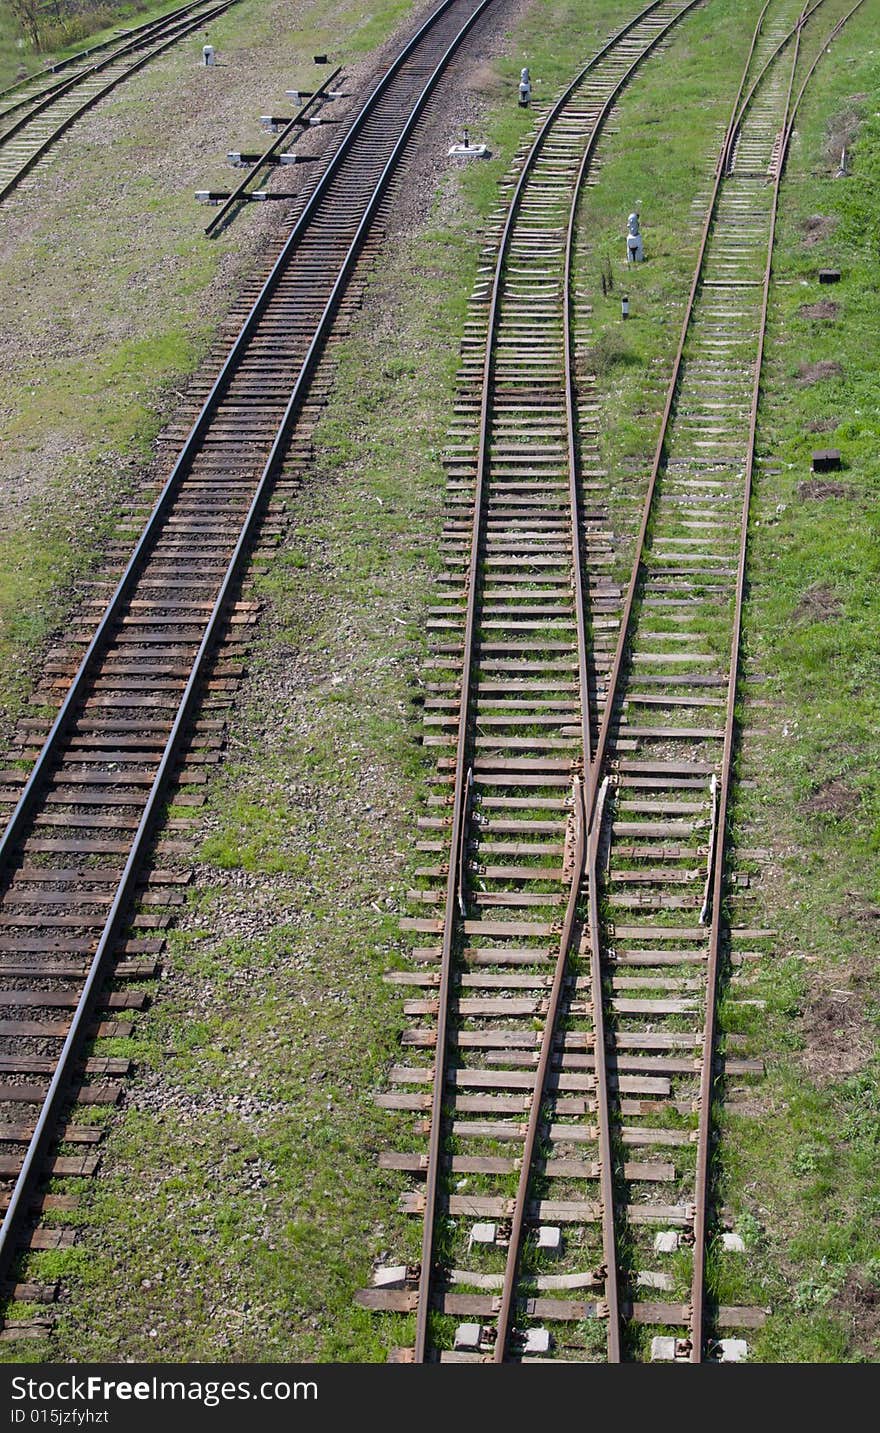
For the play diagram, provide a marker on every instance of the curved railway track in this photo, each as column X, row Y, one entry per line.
column 35, row 115
column 585, row 729
column 74, row 848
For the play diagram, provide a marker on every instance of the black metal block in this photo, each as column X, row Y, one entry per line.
column 826, row 460
column 829, row 276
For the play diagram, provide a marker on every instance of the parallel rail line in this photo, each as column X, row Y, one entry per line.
column 75, row 845
column 33, row 122
column 509, row 689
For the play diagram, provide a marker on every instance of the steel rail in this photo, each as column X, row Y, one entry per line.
column 714, row 961
column 568, row 925
column 806, row 14
column 100, row 94
column 672, row 389
column 235, row 197
column 605, row 1153
column 614, row 675
column 738, row 111
column 22, row 1193
column 125, row 43
column 117, row 39
column 459, row 797
column 197, row 432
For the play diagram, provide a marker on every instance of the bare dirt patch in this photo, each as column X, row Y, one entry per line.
column 842, row 132
column 816, row 489
column 859, row 1302
column 837, row 1033
column 818, row 604
column 824, row 309
column 863, row 911
column 822, row 425
column 834, row 798
column 814, row 372
column 818, row 227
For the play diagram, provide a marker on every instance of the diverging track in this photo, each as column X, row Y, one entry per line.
column 572, row 904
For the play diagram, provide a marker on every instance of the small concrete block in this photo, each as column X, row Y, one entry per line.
column 389, row 1276
column 663, row 1349
column 467, row 1338
column 550, row 1238
column 733, row 1243
column 469, row 151
column 732, row 1350
column 537, row 1341
column 666, row 1241
column 829, row 276
column 484, row 1234
column 649, row 1279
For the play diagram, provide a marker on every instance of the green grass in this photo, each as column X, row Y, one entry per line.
column 80, row 27
column 805, row 1170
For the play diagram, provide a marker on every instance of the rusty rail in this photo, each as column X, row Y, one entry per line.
column 715, row 935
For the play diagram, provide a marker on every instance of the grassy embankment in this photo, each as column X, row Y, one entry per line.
column 264, row 1216
column 74, row 29
column 801, row 1175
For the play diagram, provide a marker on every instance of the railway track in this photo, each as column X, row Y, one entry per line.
column 570, row 918
column 35, row 114
column 73, row 857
